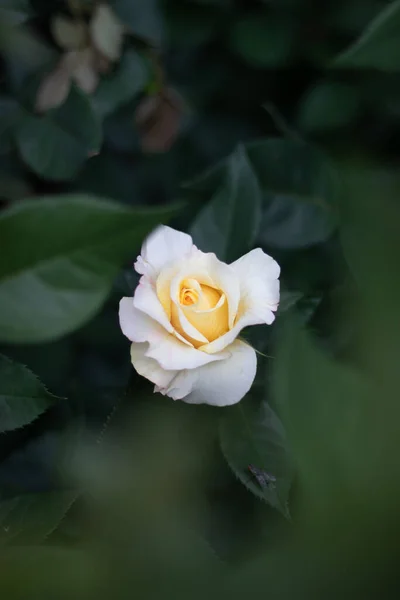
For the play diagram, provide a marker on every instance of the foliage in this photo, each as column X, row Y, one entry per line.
column 269, row 124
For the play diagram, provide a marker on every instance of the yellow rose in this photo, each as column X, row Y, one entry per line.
column 186, row 313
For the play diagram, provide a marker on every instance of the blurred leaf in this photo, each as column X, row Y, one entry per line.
column 142, row 19
column 228, row 224
column 10, row 112
column 22, row 396
column 48, row 572
column 158, row 120
column 330, row 415
column 208, row 181
column 124, row 84
column 252, row 434
column 299, row 193
column 64, row 252
column 263, row 41
column 13, row 178
column 379, row 45
column 298, row 187
column 111, row 176
column 56, row 145
column 328, row 105
column 31, row 518
column 352, row 17
column 190, row 24
column 288, row 299
column 15, row 11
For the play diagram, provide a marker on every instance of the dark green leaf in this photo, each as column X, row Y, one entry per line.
column 298, row 186
column 123, row 85
column 208, row 181
column 190, row 24
column 56, row 145
column 288, row 299
column 228, row 225
column 252, row 434
column 142, row 19
column 15, row 11
column 22, row 396
column 31, row 518
column 263, row 41
column 60, row 256
column 299, row 193
column 10, row 113
column 379, row 45
column 328, row 105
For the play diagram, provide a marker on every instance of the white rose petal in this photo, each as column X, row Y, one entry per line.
column 164, row 245
column 149, row 368
column 53, row 90
column 107, row 32
column 84, row 73
column 69, row 34
column 187, row 313
column 219, row 383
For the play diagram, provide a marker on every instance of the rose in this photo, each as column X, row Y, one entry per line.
column 186, row 314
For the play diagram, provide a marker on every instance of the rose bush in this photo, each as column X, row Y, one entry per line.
column 187, row 312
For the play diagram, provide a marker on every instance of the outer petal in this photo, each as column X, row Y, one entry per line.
column 172, row 354
column 169, row 352
column 145, row 299
column 161, row 247
column 259, row 295
column 135, row 325
column 259, row 287
column 219, row 383
column 149, row 368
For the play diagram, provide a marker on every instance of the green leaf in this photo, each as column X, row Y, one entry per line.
column 59, row 258
column 289, row 299
column 252, row 434
column 10, row 113
column 330, row 414
column 191, row 24
column 228, row 225
column 57, row 144
column 128, row 80
column 22, row 396
column 263, row 41
column 31, row 518
column 15, row 11
column 328, row 105
column 143, row 20
column 379, row 45
column 299, row 188
column 207, row 182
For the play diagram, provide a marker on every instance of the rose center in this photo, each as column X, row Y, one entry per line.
column 204, row 307
column 188, row 296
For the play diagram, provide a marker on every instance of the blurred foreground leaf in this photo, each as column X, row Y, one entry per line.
column 251, row 434
column 22, row 396
column 61, row 255
column 379, row 45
